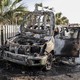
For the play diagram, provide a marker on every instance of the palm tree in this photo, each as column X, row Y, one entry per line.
column 9, row 9
column 61, row 20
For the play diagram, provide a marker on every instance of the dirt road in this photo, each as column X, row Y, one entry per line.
column 58, row 72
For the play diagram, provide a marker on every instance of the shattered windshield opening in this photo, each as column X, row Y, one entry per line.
column 70, row 33
column 37, row 24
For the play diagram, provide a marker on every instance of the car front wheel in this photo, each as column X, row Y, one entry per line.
column 48, row 65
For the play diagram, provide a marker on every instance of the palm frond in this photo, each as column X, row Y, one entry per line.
column 7, row 2
column 58, row 15
column 15, row 2
column 20, row 8
column 64, row 18
column 61, row 20
column 11, row 11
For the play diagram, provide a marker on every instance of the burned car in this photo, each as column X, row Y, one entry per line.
column 67, row 43
column 34, row 45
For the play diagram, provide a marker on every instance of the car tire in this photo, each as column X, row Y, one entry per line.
column 48, row 65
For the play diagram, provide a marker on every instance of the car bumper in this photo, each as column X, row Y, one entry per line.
column 25, row 59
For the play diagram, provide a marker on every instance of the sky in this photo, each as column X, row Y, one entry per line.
column 69, row 8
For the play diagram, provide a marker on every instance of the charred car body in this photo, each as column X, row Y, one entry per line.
column 35, row 43
column 67, row 43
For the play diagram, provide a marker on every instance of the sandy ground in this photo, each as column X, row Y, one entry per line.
column 58, row 72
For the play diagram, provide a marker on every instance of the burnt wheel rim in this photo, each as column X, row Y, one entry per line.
column 48, row 65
